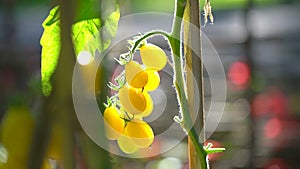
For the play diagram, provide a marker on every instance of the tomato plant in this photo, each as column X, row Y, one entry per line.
column 133, row 86
column 66, row 34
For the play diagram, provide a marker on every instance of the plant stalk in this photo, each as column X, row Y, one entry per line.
column 174, row 39
column 194, row 72
column 179, row 83
column 61, row 97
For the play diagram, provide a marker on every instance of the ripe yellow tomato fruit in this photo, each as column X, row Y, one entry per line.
column 153, row 80
column 127, row 145
column 135, row 101
column 140, row 132
column 17, row 128
column 153, row 56
column 149, row 107
column 135, row 74
column 114, row 124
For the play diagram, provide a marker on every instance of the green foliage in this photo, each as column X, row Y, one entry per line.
column 87, row 34
column 84, row 33
column 87, row 9
column 50, row 42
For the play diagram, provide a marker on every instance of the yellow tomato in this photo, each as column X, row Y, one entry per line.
column 149, row 107
column 16, row 136
column 153, row 80
column 114, row 124
column 153, row 56
column 127, row 145
column 135, row 74
column 135, row 101
column 140, row 132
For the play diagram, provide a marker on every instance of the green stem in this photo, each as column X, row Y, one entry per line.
column 186, row 122
column 179, row 82
column 176, row 29
column 148, row 35
column 199, row 148
column 174, row 39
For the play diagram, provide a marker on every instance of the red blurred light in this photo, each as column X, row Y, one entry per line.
column 260, row 104
column 239, row 74
column 272, row 128
column 273, row 101
column 278, row 102
column 276, row 164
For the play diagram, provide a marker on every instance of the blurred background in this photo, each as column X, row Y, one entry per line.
column 258, row 42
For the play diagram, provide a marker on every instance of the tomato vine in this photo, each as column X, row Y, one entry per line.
column 174, row 40
column 132, row 102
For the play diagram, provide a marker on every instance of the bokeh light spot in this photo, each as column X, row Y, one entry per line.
column 272, row 128
column 84, row 58
column 239, row 74
column 170, row 162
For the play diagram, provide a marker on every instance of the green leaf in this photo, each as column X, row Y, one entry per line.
column 87, row 9
column 84, row 35
column 54, row 13
column 88, row 34
column 50, row 42
column 91, row 35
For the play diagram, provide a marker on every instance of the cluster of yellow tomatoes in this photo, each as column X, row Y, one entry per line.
column 124, row 117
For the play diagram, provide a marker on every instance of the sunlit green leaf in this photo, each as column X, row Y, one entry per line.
column 87, row 9
column 85, row 31
column 53, row 17
column 88, row 34
column 50, row 42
